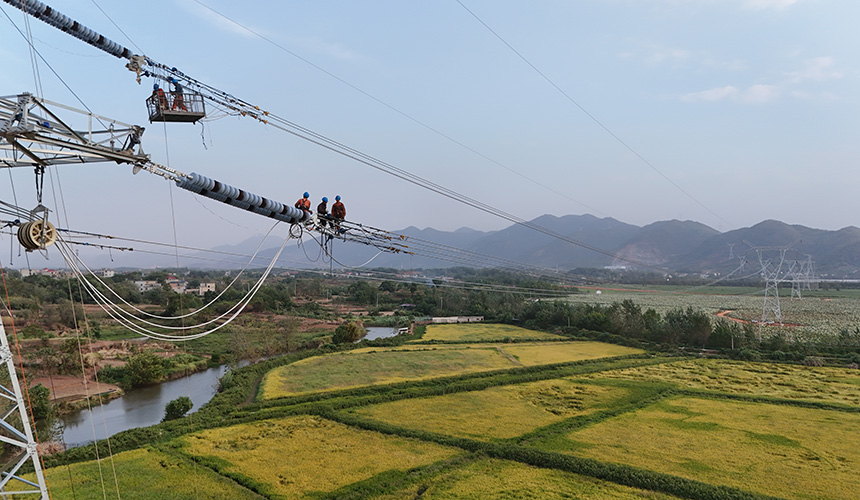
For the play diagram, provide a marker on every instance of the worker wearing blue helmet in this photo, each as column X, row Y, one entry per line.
column 304, row 203
column 178, row 96
column 158, row 98
column 338, row 211
column 322, row 212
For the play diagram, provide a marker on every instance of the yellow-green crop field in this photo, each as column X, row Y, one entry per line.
column 298, row 456
column 499, row 412
column 483, row 332
column 541, row 420
column 807, row 383
column 387, row 365
column 790, row 452
column 346, row 370
column 562, row 352
column 142, row 474
column 485, row 479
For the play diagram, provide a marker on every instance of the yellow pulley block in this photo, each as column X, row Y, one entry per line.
column 37, row 235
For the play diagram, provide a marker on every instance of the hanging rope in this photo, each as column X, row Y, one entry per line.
column 133, row 323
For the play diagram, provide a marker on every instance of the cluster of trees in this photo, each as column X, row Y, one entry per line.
column 147, row 368
column 677, row 327
column 627, row 322
column 349, row 332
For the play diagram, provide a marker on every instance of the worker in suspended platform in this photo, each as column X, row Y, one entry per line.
column 322, row 212
column 178, row 99
column 338, row 212
column 158, row 97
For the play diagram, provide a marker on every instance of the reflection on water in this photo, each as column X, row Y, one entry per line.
column 138, row 408
column 379, row 332
column 145, row 406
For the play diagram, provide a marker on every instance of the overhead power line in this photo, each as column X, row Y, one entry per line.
column 591, row 116
column 145, row 66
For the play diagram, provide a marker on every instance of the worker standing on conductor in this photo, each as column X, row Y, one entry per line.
column 322, row 212
column 304, row 202
column 338, row 211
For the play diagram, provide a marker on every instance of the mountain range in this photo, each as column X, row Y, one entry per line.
column 578, row 241
column 671, row 246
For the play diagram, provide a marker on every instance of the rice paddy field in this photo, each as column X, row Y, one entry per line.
column 387, row 365
column 788, row 452
column 143, row 474
column 483, row 479
column 323, row 455
column 480, row 332
column 499, row 412
column 802, row 383
column 548, row 419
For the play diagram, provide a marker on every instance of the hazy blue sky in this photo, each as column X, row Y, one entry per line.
column 743, row 110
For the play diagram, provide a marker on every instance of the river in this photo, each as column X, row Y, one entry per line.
column 138, row 408
column 145, row 406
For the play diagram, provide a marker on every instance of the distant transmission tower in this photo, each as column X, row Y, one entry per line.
column 802, row 276
column 773, row 271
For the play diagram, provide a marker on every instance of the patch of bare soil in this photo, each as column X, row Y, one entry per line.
column 68, row 388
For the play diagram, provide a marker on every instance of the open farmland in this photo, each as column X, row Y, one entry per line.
column 805, row 383
column 323, row 455
column 480, row 332
column 499, row 412
column 796, row 453
column 616, row 424
column 144, row 474
column 381, row 366
column 482, row 479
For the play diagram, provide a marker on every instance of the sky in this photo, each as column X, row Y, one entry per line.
column 725, row 112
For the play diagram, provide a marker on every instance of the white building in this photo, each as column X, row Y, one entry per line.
column 201, row 291
column 145, row 286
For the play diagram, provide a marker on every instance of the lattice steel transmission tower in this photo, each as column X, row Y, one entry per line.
column 802, row 277
column 32, row 135
column 774, row 271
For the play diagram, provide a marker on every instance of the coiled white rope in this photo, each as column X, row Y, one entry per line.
column 133, row 323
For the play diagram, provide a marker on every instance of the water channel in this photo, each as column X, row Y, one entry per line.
column 145, row 406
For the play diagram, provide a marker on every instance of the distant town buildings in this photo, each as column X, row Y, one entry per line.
column 177, row 285
column 54, row 273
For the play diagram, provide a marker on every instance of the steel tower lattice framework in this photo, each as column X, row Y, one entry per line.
column 773, row 271
column 32, row 134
